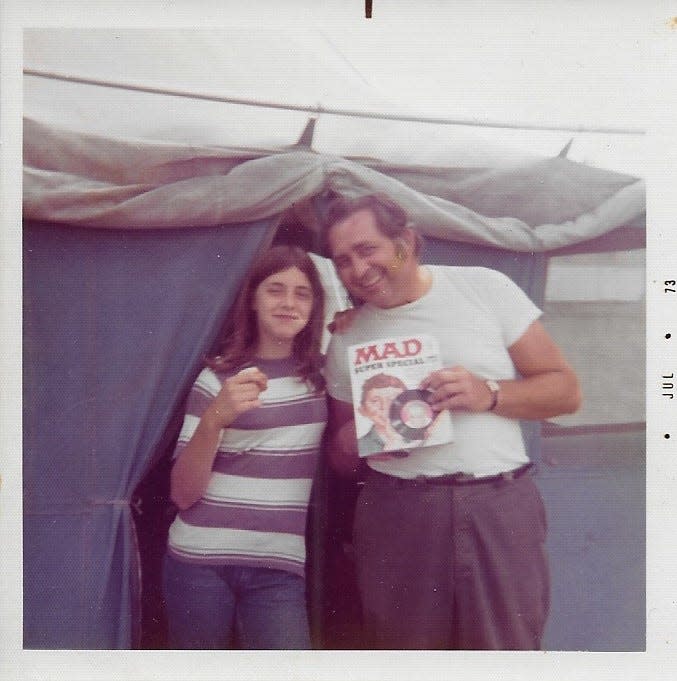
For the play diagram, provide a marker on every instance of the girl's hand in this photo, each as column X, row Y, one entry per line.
column 239, row 394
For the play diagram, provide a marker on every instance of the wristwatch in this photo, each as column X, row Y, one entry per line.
column 495, row 388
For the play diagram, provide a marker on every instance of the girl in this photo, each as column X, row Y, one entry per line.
column 244, row 464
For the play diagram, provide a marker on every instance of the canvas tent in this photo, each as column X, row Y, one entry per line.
column 136, row 236
column 132, row 253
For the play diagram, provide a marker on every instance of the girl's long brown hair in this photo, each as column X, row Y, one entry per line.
column 238, row 340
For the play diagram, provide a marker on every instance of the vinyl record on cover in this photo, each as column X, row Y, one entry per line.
column 411, row 413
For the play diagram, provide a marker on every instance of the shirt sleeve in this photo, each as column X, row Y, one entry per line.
column 511, row 305
column 204, row 390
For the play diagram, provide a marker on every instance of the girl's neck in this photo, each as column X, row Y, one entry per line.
column 274, row 350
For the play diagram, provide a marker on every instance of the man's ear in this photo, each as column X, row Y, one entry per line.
column 405, row 244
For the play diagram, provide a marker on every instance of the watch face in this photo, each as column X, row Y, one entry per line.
column 493, row 386
column 411, row 413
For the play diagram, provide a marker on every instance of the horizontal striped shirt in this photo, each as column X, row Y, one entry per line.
column 253, row 512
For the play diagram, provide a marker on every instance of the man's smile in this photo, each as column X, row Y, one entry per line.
column 371, row 279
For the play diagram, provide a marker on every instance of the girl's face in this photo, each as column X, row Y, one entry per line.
column 283, row 303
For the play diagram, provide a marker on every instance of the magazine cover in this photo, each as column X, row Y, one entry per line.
column 392, row 412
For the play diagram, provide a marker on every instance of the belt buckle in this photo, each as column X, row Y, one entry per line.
column 448, row 479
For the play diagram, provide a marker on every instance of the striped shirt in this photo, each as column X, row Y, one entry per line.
column 253, row 512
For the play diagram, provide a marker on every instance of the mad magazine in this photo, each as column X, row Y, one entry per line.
column 392, row 412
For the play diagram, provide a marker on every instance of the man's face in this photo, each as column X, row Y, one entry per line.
column 376, row 405
column 366, row 261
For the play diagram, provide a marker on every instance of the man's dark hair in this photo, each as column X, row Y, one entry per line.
column 391, row 219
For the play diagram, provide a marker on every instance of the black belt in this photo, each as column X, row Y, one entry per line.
column 461, row 478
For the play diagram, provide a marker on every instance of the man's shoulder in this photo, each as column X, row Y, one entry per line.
column 474, row 276
column 464, row 271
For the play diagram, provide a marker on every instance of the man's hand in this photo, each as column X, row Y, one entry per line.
column 457, row 388
column 547, row 386
column 342, row 320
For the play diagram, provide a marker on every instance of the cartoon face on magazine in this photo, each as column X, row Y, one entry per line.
column 391, row 412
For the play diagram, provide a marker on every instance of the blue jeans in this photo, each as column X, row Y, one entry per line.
column 213, row 607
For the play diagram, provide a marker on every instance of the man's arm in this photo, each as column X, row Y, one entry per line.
column 342, row 440
column 548, row 386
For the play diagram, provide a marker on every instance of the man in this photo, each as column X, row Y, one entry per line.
column 449, row 540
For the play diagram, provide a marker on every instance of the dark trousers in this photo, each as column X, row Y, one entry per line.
column 451, row 567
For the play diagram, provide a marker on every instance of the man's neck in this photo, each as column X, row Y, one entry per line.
column 410, row 287
column 421, row 284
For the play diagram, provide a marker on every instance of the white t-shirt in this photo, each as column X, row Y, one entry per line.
column 476, row 314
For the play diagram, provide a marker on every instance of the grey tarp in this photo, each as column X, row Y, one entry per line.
column 91, row 181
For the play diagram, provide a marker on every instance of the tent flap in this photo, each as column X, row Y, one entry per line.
column 116, row 324
column 111, row 183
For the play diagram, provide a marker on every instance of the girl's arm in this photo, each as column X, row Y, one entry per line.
column 193, row 467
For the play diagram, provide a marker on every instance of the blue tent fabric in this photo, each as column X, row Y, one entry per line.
column 115, row 326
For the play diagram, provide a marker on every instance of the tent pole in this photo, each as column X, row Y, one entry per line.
column 319, row 109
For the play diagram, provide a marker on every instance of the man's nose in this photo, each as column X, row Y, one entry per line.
column 360, row 267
